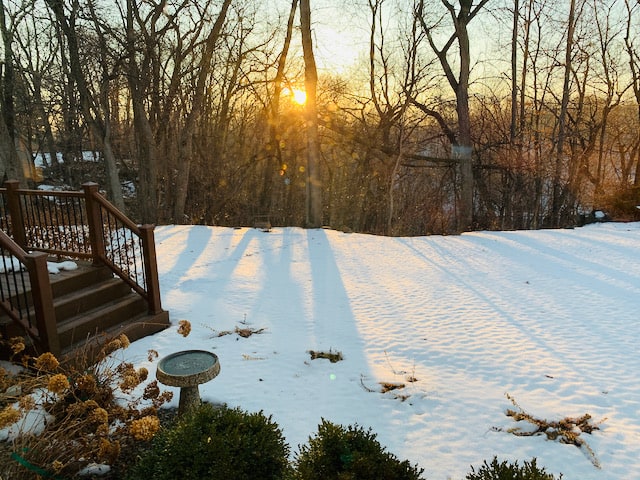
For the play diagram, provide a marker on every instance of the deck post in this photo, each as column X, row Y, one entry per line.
column 96, row 235
column 150, row 268
column 17, row 222
column 36, row 263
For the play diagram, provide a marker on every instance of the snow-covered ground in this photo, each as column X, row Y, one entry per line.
column 550, row 318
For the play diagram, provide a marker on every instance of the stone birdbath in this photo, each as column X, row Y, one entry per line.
column 187, row 370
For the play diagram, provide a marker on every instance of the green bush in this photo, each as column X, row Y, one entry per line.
column 351, row 453
column 216, row 443
column 509, row 471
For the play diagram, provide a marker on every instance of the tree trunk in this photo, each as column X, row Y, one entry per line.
column 9, row 162
column 185, row 142
column 274, row 157
column 462, row 148
column 559, row 161
column 314, row 184
column 145, row 142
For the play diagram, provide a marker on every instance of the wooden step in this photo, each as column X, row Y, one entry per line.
column 68, row 281
column 92, row 306
column 78, row 301
column 63, row 283
column 78, row 328
column 86, row 351
column 91, row 296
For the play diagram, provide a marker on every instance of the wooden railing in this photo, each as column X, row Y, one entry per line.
column 25, row 293
column 82, row 225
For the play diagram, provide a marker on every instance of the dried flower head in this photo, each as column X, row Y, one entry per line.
column 4, row 379
column 102, row 430
column 99, row 415
column 108, row 451
column 120, row 413
column 149, row 411
column 142, row 373
column 16, row 344
column 164, row 397
column 184, row 328
column 151, row 390
column 87, row 384
column 57, row 466
column 124, row 340
column 58, row 383
column 144, row 428
column 47, row 362
column 125, row 368
column 152, row 355
column 129, row 382
column 112, row 346
column 9, row 416
column 27, row 403
column 89, row 404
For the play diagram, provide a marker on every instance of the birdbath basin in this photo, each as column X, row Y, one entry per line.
column 187, row 370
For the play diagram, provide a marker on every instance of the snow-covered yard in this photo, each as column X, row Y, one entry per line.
column 455, row 324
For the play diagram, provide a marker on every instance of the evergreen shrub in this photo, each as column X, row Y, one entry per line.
column 216, row 443
column 349, row 453
column 509, row 471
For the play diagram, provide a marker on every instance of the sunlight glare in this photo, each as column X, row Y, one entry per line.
column 297, row 95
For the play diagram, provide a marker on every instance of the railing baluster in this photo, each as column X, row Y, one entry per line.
column 48, row 223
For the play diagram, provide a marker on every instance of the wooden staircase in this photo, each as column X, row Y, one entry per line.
column 91, row 306
column 114, row 290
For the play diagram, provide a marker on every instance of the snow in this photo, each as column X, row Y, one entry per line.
column 55, row 267
column 32, row 422
column 94, row 469
column 9, row 264
column 548, row 317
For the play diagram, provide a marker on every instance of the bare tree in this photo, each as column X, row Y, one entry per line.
column 36, row 60
column 556, row 201
column 95, row 106
column 185, row 145
column 462, row 147
column 275, row 152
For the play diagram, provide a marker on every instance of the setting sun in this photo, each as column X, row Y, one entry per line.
column 297, row 95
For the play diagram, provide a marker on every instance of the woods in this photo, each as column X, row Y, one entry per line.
column 455, row 116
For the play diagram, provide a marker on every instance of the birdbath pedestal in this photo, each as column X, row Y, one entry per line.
column 187, row 370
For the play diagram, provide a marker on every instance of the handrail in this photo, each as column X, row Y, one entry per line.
column 13, row 267
column 17, row 300
column 54, row 222
column 128, row 249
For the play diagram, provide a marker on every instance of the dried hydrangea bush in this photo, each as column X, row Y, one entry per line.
column 92, row 412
